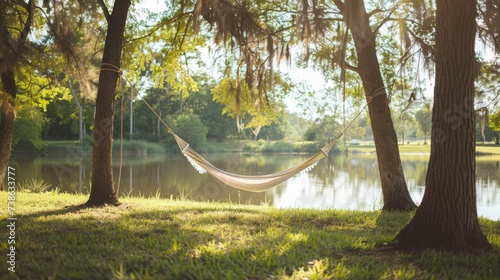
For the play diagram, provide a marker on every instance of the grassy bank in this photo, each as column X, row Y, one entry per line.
column 481, row 149
column 84, row 148
column 175, row 239
column 140, row 147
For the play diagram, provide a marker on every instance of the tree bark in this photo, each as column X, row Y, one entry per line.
column 102, row 191
column 394, row 189
column 447, row 217
column 11, row 50
column 7, row 120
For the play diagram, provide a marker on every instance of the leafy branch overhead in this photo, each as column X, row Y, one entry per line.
column 254, row 44
column 77, row 37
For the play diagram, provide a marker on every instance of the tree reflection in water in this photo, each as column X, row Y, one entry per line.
column 340, row 181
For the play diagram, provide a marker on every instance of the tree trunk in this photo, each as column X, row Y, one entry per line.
column 395, row 192
column 10, row 52
column 80, row 110
column 102, row 191
column 7, row 121
column 447, row 218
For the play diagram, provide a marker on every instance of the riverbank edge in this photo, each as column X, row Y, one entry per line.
column 156, row 238
column 144, row 148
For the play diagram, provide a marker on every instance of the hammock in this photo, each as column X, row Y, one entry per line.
column 250, row 183
column 244, row 182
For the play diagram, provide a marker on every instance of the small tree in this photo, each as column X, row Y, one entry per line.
column 192, row 130
column 424, row 120
column 494, row 124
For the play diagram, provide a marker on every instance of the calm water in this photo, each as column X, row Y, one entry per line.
column 340, row 181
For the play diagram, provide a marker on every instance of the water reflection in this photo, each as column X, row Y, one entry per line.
column 341, row 182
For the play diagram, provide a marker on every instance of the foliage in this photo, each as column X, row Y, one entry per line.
column 62, row 119
column 424, row 120
column 242, row 102
column 219, row 125
column 277, row 130
column 29, row 125
column 162, row 47
column 76, row 37
column 218, row 241
column 494, row 121
column 489, row 23
column 190, row 128
column 323, row 130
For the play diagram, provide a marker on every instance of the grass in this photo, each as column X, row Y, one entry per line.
column 138, row 147
column 155, row 238
column 130, row 147
column 481, row 149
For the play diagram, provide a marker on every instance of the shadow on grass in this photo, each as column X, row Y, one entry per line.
column 212, row 242
column 394, row 220
column 64, row 210
column 194, row 243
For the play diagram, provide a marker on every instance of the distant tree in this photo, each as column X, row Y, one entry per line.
column 487, row 98
column 192, row 130
column 297, row 126
column 447, row 217
column 494, row 124
column 219, row 125
column 147, row 126
column 29, row 124
column 62, row 119
column 277, row 130
column 495, row 121
column 424, row 120
column 322, row 130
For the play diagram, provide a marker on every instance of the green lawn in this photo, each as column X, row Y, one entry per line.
column 481, row 149
column 177, row 239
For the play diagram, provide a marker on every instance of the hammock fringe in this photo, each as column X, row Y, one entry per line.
column 196, row 166
column 309, row 168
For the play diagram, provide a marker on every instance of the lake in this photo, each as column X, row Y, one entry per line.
column 339, row 181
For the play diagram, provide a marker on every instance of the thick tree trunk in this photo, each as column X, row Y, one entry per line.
column 7, row 121
column 102, row 191
column 447, row 218
column 395, row 192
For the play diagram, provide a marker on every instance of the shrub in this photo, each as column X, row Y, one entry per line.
column 28, row 129
column 190, row 128
column 277, row 147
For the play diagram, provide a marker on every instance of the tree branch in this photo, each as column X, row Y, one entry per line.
column 376, row 11
column 30, row 10
column 386, row 19
column 339, row 5
column 351, row 67
column 105, row 10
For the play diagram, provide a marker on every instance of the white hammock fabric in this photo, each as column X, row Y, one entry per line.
column 259, row 183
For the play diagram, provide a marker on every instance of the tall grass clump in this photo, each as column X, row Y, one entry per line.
column 34, row 185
